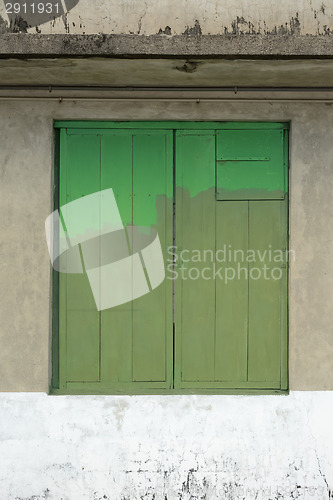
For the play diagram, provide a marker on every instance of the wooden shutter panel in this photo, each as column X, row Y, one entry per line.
column 195, row 230
column 232, row 333
column 129, row 345
column 79, row 335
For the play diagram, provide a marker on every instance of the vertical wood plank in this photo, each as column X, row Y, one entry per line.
column 152, row 207
column 116, row 340
column 62, row 287
column 231, row 291
column 195, row 231
column 267, row 294
column 79, row 176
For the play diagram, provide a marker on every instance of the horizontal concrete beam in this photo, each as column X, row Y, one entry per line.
column 226, row 46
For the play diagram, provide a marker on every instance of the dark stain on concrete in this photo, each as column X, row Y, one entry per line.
column 295, row 25
column 45, row 495
column 240, row 26
column 65, row 21
column 19, row 25
column 100, row 41
column 4, row 27
column 181, row 46
column 195, row 30
column 189, row 66
column 166, row 31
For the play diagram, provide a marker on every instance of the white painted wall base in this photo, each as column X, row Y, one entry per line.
column 166, row 447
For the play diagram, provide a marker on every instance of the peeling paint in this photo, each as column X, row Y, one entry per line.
column 195, row 30
column 4, row 26
column 65, row 21
column 241, row 26
column 166, row 31
column 295, row 27
column 209, row 17
column 19, row 25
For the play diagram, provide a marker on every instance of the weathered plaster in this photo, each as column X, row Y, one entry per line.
column 166, row 448
column 166, row 72
column 182, row 17
column 26, row 164
column 232, row 46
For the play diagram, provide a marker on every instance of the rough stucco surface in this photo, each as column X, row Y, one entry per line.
column 167, row 448
column 190, row 17
column 225, row 45
column 26, row 165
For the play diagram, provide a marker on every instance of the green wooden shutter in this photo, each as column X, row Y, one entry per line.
column 130, row 345
column 232, row 196
column 231, row 193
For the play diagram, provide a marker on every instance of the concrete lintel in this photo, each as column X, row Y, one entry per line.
column 227, row 46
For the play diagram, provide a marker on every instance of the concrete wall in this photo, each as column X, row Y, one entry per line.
column 176, row 17
column 224, row 447
column 26, row 149
column 170, row 448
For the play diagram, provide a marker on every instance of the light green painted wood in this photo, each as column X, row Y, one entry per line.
column 154, row 388
column 61, row 281
column 240, row 344
column 152, row 313
column 116, row 331
column 195, row 231
column 231, row 292
column 80, row 328
column 267, row 297
column 228, row 336
column 133, row 341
